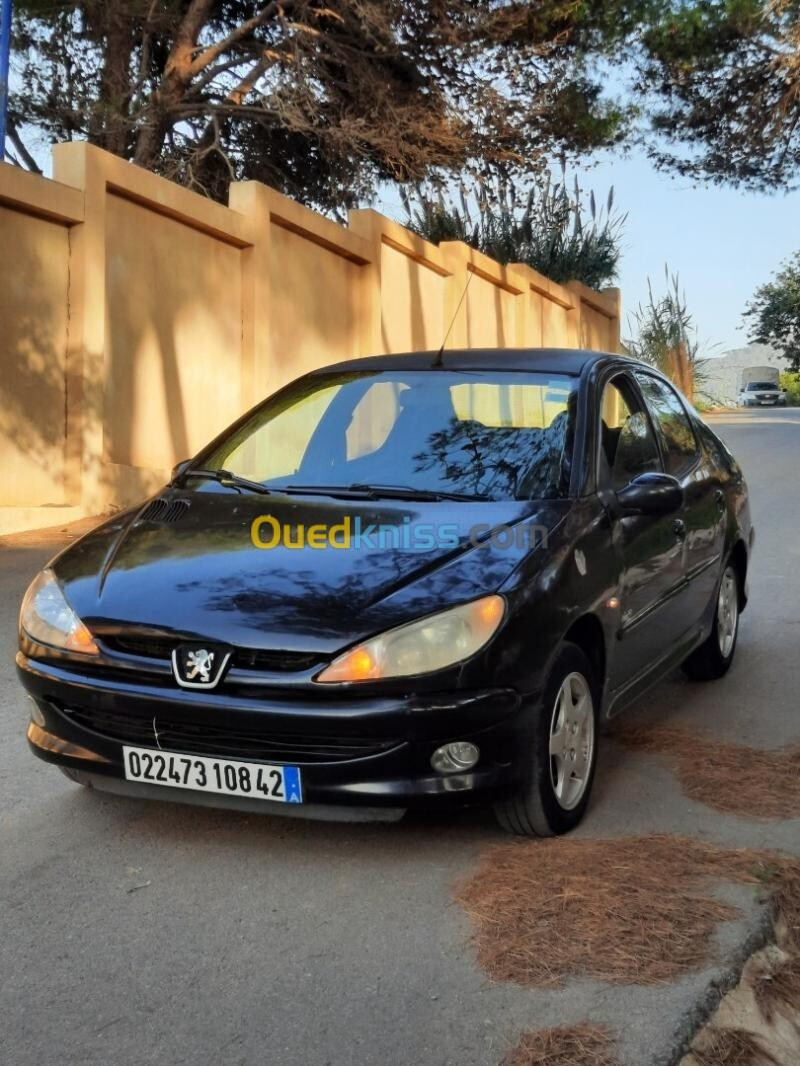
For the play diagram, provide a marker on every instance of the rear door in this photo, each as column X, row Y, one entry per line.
column 703, row 513
column 649, row 548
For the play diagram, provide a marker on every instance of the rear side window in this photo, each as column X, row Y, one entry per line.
column 671, row 418
column 717, row 452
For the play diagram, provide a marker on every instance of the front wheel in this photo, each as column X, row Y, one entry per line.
column 554, row 793
column 715, row 655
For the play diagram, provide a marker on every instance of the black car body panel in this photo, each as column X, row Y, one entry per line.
column 222, row 587
column 637, row 592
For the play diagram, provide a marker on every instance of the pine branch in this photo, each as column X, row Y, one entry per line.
column 26, row 157
column 240, row 33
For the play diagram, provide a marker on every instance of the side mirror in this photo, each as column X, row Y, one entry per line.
column 179, row 469
column 651, row 494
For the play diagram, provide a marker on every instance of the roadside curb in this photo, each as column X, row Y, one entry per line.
column 718, row 988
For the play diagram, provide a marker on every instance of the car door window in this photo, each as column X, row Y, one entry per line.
column 676, row 428
column 627, row 443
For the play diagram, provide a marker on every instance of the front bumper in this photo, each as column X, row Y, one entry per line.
column 368, row 753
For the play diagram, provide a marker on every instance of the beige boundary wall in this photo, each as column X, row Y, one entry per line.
column 138, row 319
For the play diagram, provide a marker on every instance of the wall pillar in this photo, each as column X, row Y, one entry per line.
column 79, row 165
column 252, row 199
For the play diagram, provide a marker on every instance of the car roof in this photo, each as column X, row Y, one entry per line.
column 544, row 360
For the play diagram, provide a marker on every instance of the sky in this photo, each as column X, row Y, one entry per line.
column 722, row 242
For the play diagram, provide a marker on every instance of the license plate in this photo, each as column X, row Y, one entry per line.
column 281, row 784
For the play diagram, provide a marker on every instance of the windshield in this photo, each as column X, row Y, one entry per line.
column 493, row 435
column 758, row 385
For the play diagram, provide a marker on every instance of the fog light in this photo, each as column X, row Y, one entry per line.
column 36, row 712
column 459, row 755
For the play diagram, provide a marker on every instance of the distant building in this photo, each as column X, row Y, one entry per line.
column 722, row 374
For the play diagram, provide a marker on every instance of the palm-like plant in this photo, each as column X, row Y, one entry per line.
column 665, row 336
column 560, row 233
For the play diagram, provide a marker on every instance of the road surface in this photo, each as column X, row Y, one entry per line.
column 135, row 933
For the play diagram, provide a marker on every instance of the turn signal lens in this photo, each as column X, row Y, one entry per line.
column 355, row 665
column 490, row 610
column 421, row 647
column 80, row 639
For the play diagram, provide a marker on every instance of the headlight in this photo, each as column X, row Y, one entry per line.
column 421, row 647
column 47, row 618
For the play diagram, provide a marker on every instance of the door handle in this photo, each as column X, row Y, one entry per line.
column 679, row 528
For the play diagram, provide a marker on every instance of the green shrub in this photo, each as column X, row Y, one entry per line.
column 790, row 383
column 561, row 234
column 661, row 326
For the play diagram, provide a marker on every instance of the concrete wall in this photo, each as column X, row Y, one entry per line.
column 138, row 319
column 34, row 275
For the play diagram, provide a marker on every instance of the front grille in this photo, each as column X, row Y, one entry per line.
column 235, row 742
column 151, row 647
column 280, row 661
column 277, row 661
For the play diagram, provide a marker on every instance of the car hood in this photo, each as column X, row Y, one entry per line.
column 199, row 575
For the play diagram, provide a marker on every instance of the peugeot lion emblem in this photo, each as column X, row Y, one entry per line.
column 199, row 667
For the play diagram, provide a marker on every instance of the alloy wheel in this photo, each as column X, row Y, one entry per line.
column 727, row 612
column 572, row 739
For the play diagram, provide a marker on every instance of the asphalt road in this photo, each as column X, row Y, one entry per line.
column 135, row 933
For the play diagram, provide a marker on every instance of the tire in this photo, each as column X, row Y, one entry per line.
column 714, row 656
column 552, row 799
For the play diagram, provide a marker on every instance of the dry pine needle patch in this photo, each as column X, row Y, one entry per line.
column 786, row 898
column 638, row 910
column 728, row 777
column 777, row 988
column 730, row 1047
column 577, row 1045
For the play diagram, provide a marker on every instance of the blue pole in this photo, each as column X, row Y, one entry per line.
column 5, row 52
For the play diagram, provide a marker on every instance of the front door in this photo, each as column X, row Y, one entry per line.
column 650, row 548
column 703, row 512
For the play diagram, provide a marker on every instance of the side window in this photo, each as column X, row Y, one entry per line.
column 676, row 429
column 715, row 448
column 627, row 444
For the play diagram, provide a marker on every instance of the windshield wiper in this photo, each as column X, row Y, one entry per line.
column 352, row 492
column 376, row 492
column 228, row 478
column 406, row 492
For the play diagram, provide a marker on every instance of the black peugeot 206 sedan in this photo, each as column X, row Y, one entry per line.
column 400, row 581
